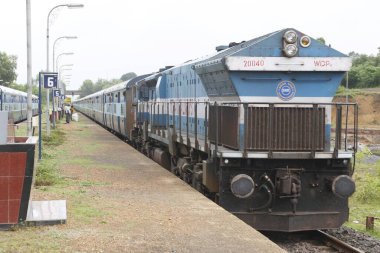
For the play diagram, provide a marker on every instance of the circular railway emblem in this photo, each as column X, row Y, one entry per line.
column 286, row 90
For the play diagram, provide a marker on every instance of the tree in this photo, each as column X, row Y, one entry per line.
column 322, row 40
column 128, row 76
column 87, row 88
column 365, row 71
column 104, row 83
column 8, row 65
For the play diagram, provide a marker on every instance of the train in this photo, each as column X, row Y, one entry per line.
column 252, row 126
column 15, row 102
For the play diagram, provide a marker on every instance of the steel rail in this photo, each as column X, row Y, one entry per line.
column 336, row 243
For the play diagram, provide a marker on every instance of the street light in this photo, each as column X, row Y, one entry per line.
column 55, row 42
column 70, row 6
column 65, row 67
column 60, row 55
column 60, row 69
column 70, row 53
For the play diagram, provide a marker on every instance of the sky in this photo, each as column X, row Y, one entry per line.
column 141, row 36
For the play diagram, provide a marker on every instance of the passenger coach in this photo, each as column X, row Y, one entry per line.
column 15, row 102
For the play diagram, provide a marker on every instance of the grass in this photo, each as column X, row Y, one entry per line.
column 83, row 205
column 352, row 93
column 85, row 212
column 366, row 200
column 15, row 241
column 47, row 169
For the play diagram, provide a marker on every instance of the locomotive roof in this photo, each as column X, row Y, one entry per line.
column 270, row 45
column 232, row 50
column 14, row 92
column 116, row 87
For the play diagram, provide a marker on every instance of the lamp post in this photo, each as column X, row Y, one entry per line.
column 64, row 64
column 63, row 68
column 70, row 53
column 60, row 55
column 55, row 42
column 29, row 69
column 59, row 83
column 70, row 6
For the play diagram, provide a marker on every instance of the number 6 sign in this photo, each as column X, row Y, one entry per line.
column 50, row 80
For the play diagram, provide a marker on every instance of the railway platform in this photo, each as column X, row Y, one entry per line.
column 121, row 201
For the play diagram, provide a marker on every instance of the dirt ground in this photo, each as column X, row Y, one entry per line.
column 120, row 201
column 368, row 116
column 369, row 108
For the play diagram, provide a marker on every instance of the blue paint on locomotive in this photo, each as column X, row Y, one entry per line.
column 270, row 45
column 208, row 78
column 180, row 82
column 183, row 82
column 308, row 84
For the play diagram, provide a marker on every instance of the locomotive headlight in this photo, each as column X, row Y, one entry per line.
column 242, row 186
column 305, row 41
column 290, row 36
column 290, row 50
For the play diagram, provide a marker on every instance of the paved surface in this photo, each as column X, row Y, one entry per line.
column 118, row 200
column 162, row 213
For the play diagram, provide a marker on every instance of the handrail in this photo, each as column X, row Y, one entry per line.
column 175, row 109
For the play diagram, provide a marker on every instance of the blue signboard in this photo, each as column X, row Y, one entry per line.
column 57, row 93
column 50, row 80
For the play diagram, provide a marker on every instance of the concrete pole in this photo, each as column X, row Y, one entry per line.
column 71, row 6
column 29, row 68
column 47, row 70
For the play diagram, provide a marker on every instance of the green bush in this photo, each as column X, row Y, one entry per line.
column 47, row 171
column 368, row 189
column 365, row 152
column 56, row 138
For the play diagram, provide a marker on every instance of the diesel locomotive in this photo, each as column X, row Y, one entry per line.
column 15, row 103
column 252, row 126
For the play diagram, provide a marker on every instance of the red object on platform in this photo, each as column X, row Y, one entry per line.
column 16, row 176
column 12, row 174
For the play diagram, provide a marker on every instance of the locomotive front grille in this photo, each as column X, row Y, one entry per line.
column 228, row 125
column 285, row 128
column 268, row 128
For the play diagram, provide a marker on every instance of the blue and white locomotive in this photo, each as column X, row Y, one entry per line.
column 15, row 102
column 252, row 126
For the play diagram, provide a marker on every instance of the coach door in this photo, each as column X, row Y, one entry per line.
column 130, row 110
column 118, row 112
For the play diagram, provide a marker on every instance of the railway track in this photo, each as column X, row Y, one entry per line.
column 334, row 242
column 311, row 241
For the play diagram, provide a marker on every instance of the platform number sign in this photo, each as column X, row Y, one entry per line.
column 50, row 80
column 57, row 93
